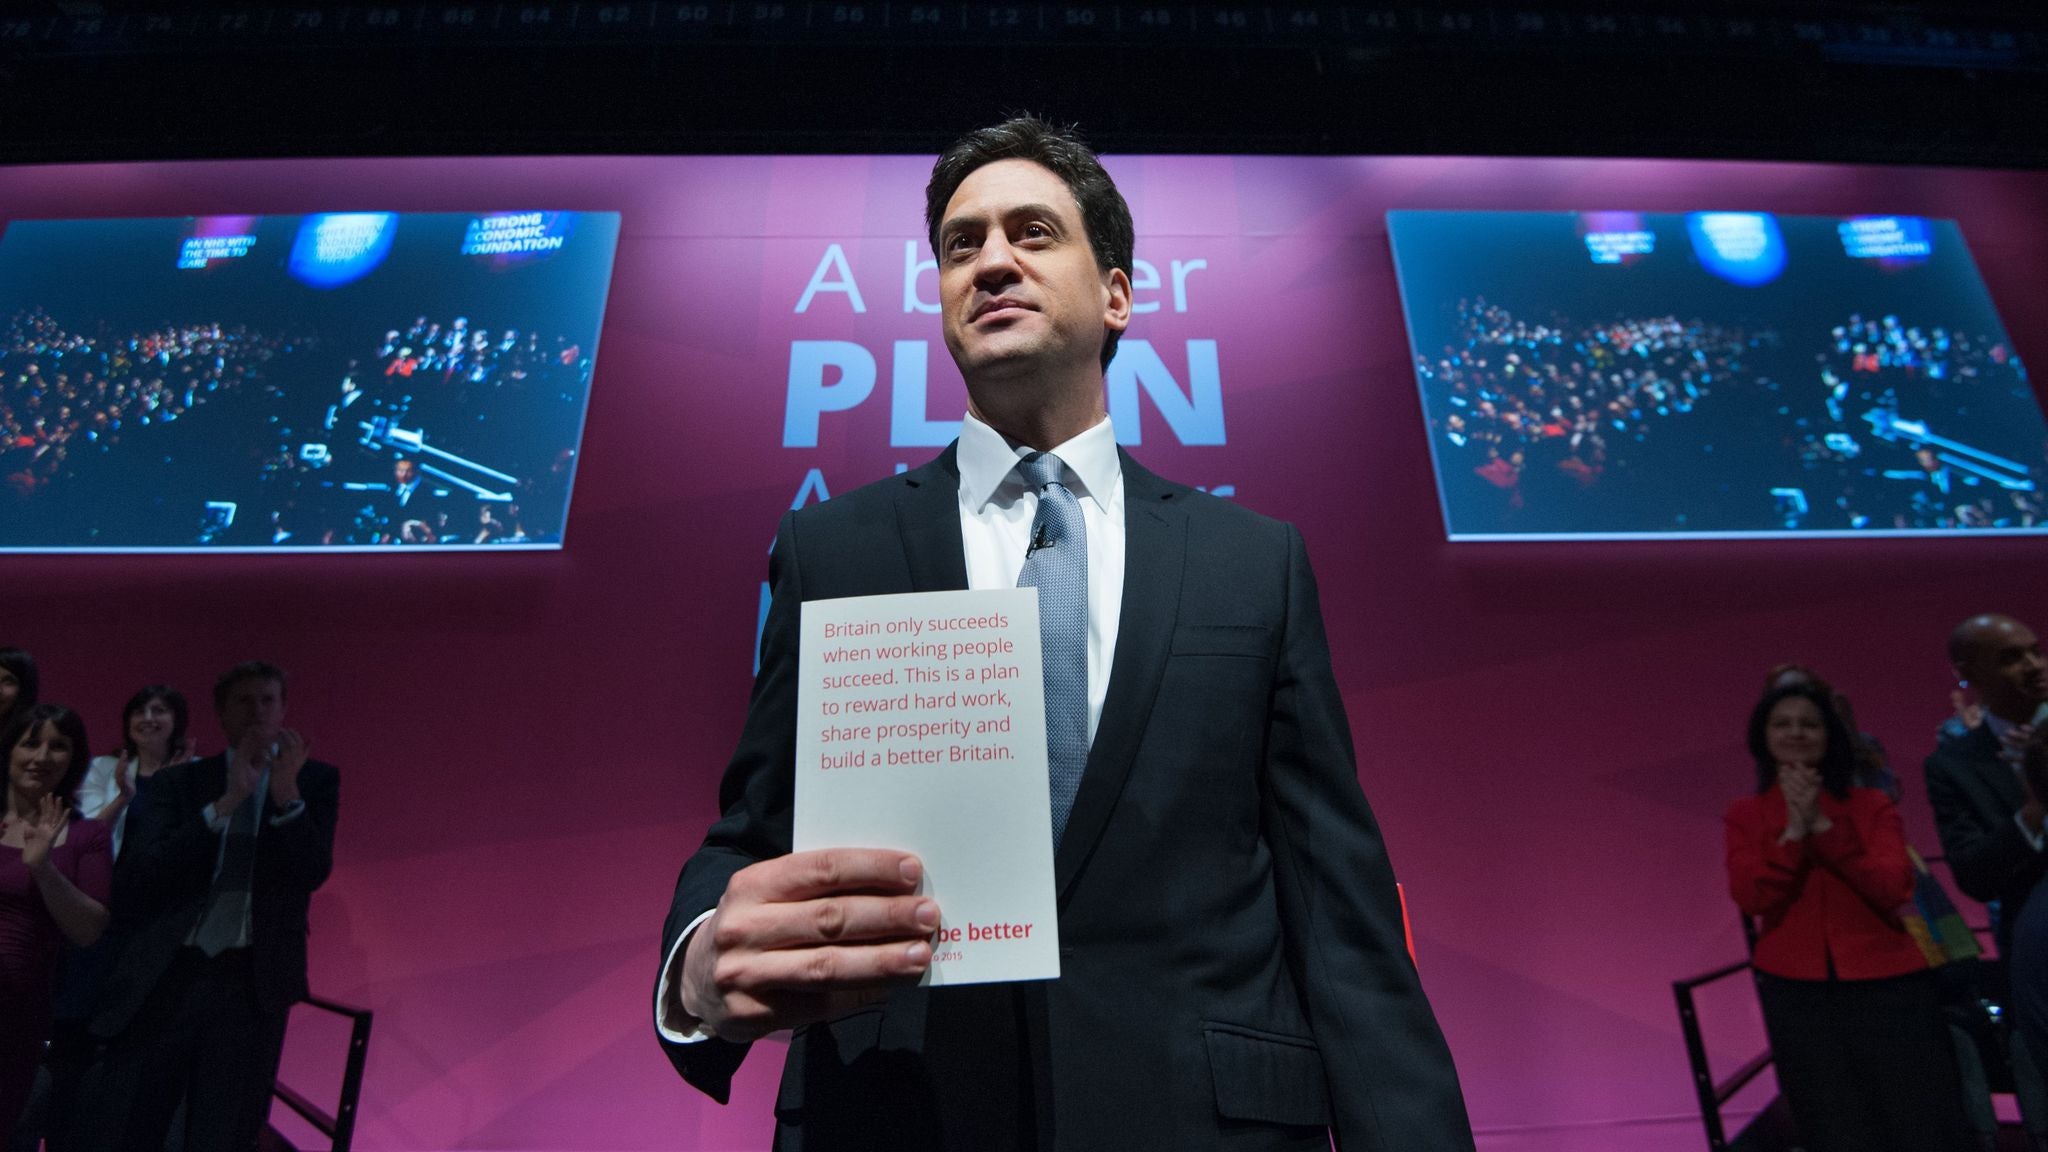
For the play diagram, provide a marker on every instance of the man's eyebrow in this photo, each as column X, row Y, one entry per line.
column 1010, row 213
column 1045, row 210
column 1035, row 210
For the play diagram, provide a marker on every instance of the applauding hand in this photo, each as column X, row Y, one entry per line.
column 252, row 752
column 1968, row 712
column 39, row 833
column 1801, row 785
column 284, row 772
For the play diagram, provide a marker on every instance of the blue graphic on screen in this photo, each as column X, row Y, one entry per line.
column 1743, row 248
column 1729, row 374
column 341, row 247
column 353, row 381
column 1616, row 237
column 1896, row 241
column 518, row 236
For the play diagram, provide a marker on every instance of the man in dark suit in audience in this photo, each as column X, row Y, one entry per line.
column 1232, row 969
column 1990, row 817
column 2026, row 963
column 220, row 860
column 1991, row 822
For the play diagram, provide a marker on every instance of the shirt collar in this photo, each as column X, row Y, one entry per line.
column 988, row 464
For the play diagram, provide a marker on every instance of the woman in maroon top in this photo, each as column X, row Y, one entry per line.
column 1862, row 1053
column 54, row 876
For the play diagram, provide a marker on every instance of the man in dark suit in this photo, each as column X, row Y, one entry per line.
column 412, row 498
column 1989, row 819
column 1232, row 969
column 219, row 861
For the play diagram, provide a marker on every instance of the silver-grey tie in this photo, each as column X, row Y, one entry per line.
column 1056, row 563
column 227, row 906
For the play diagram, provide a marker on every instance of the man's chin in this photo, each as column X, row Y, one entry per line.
column 1001, row 363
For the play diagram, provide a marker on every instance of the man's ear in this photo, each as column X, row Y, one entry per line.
column 1116, row 311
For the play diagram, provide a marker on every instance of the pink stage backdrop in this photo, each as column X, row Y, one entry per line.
column 530, row 742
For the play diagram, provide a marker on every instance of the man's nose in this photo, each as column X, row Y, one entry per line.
column 996, row 262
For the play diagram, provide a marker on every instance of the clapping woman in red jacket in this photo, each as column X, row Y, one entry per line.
column 1863, row 1055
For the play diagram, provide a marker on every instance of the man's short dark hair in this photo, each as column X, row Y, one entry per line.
column 1059, row 150
column 246, row 670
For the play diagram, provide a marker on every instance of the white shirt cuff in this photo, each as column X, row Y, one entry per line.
column 214, row 821
column 2038, row 841
column 671, row 971
column 292, row 811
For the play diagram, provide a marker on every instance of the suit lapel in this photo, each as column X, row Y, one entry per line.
column 210, row 776
column 928, row 519
column 1155, row 551
column 1993, row 773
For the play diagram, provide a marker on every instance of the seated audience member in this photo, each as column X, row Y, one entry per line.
column 499, row 525
column 54, row 875
column 153, row 723
column 18, row 682
column 220, row 861
column 1862, row 1050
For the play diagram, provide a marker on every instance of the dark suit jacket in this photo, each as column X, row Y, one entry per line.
column 166, row 869
column 1975, row 794
column 1233, row 972
column 428, row 498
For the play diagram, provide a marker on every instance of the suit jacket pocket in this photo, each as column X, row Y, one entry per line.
column 1266, row 1076
column 826, row 1049
column 1223, row 640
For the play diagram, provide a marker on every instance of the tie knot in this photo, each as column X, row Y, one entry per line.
column 1040, row 469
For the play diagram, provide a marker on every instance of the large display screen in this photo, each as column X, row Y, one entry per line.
column 1627, row 375
column 355, row 380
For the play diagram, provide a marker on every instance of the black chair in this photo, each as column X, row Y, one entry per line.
column 339, row 1128
column 1713, row 1095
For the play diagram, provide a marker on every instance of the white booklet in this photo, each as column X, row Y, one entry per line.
column 921, row 727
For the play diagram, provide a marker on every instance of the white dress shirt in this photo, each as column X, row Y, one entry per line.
column 98, row 789
column 995, row 527
column 996, row 511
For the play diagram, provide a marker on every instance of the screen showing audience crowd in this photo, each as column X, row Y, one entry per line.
column 360, row 381
column 1628, row 375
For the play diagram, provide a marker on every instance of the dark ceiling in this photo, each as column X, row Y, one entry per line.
column 1935, row 83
